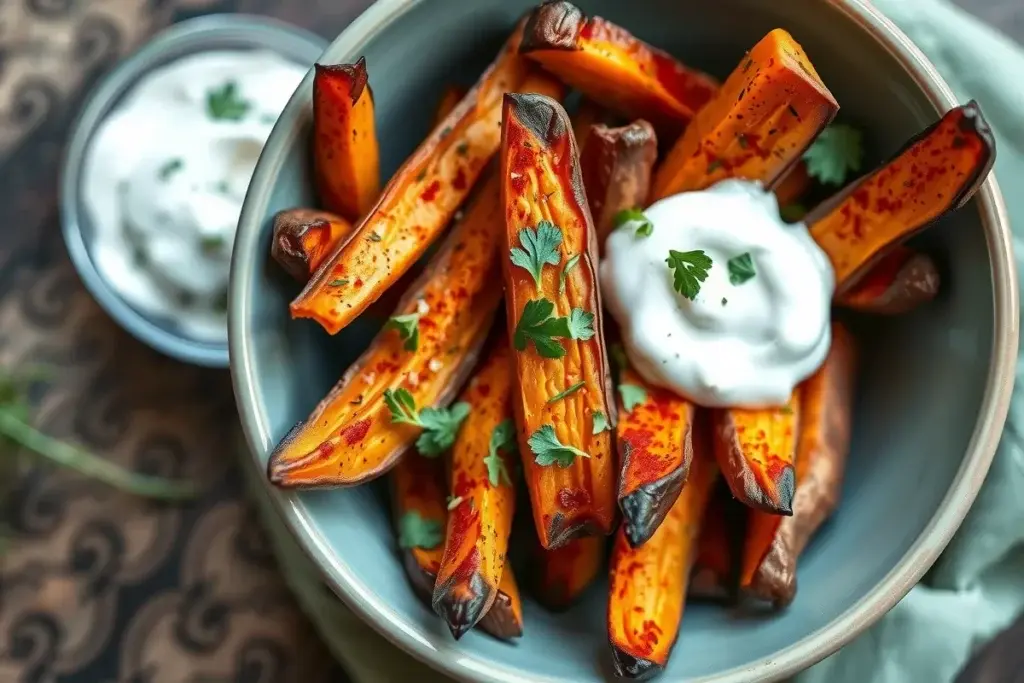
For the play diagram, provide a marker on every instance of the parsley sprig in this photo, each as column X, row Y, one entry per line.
column 690, row 270
column 226, row 104
column 416, row 531
column 440, row 426
column 741, row 268
column 637, row 218
column 408, row 328
column 503, row 439
column 632, row 396
column 600, row 422
column 835, row 153
column 538, row 248
column 537, row 324
column 548, row 450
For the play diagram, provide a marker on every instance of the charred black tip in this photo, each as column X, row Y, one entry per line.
column 974, row 122
column 462, row 612
column 645, row 509
column 786, row 487
column 633, row 667
column 554, row 25
column 354, row 74
column 560, row 532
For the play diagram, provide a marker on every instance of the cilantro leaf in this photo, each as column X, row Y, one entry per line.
column 568, row 392
column 600, row 422
column 440, row 427
column 644, row 226
column 581, row 324
column 548, row 450
column 741, row 268
column 539, row 247
column 225, row 104
column 691, row 268
column 537, row 325
column 415, row 531
column 836, row 152
column 632, row 396
column 402, row 406
column 408, row 328
column 503, row 438
column 569, row 265
column 169, row 168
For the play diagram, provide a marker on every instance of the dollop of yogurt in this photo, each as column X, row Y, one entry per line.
column 760, row 322
column 166, row 174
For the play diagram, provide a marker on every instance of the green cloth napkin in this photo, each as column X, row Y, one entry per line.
column 976, row 588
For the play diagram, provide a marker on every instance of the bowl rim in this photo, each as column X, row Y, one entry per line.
column 443, row 654
column 190, row 35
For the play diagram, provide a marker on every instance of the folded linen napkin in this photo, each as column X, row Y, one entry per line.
column 975, row 590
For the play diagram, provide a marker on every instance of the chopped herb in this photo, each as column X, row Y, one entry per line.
column 568, row 392
column 440, row 426
column 742, row 139
column 581, row 324
column 714, row 165
column 222, row 187
column 537, row 325
column 741, row 268
column 569, row 265
column 421, row 175
column 600, row 422
column 836, row 152
column 644, row 226
column 374, row 237
column 337, row 283
column 691, row 268
column 462, row 149
column 539, row 247
column 408, row 328
column 792, row 213
column 225, row 104
column 446, row 132
column 632, row 396
column 503, row 438
column 169, row 168
column 415, row 531
column 211, row 244
column 548, row 450
column 455, row 501
column 724, row 301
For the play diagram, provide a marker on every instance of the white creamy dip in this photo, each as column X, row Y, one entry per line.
column 166, row 174
column 759, row 324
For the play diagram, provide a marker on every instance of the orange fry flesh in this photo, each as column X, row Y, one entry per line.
column 562, row 574
column 420, row 199
column 303, row 237
column 655, row 448
column 418, row 491
column 349, row 437
column 937, row 172
column 480, row 522
column 769, row 111
column 613, row 67
column 649, row 582
column 346, row 165
column 541, row 182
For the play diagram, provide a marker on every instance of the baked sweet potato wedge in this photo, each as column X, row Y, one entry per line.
column 613, row 67
column 774, row 543
column 616, row 164
column 420, row 199
column 346, row 160
column 504, row 620
column 428, row 350
column 758, row 125
column 937, row 172
column 714, row 575
column 648, row 583
column 562, row 394
column 900, row 281
column 304, row 237
column 655, row 450
column 483, row 499
column 562, row 574
column 755, row 450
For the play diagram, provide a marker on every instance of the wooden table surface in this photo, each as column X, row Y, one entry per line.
column 96, row 587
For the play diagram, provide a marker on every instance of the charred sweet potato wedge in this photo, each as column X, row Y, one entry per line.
column 774, row 543
column 418, row 495
column 648, row 583
column 655, row 450
column 483, row 500
column 715, row 567
column 613, row 67
column 420, row 199
column 562, row 396
column 346, row 160
column 505, row 618
column 937, row 172
column 561, row 575
column 303, row 238
column 755, row 450
column 349, row 437
column 899, row 282
column 769, row 111
column 616, row 164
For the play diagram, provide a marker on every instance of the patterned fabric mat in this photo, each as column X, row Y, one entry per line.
column 97, row 587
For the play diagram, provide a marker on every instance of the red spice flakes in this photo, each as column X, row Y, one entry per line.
column 324, row 450
column 644, row 466
column 433, row 189
column 573, row 499
column 459, row 183
column 354, row 433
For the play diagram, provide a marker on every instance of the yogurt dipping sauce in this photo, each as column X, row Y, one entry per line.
column 165, row 176
column 759, row 324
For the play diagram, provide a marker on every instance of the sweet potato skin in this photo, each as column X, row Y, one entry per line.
column 562, row 574
column 769, row 570
column 303, row 238
column 417, row 486
column 899, row 282
column 541, row 181
column 421, row 198
column 478, row 527
column 504, row 620
column 937, row 172
column 616, row 164
column 346, row 165
column 613, row 67
column 766, row 114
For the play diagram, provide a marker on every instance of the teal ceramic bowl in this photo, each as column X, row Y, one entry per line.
column 934, row 386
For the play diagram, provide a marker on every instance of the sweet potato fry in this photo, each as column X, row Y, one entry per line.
column 420, row 199
column 616, row 165
column 613, row 67
column 346, row 165
column 648, row 583
column 561, row 575
column 450, row 98
column 937, row 172
column 774, row 543
column 350, row 438
column 562, row 396
column 768, row 112
column 899, row 282
column 505, row 618
column 303, row 237
column 755, row 450
column 480, row 518
column 714, row 573
column 418, row 495
column 655, row 450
